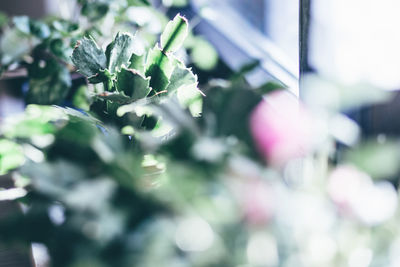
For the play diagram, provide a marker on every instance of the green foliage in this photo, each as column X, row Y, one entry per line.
column 119, row 52
column 125, row 174
column 94, row 10
column 183, row 83
column 89, row 58
column 133, row 84
column 378, row 160
column 14, row 45
column 3, row 19
column 203, row 54
column 139, row 3
column 159, row 67
column 176, row 3
column 82, row 98
column 22, row 24
column 154, row 173
column 49, row 84
column 11, row 156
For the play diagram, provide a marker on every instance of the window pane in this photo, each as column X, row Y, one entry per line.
column 357, row 40
column 277, row 19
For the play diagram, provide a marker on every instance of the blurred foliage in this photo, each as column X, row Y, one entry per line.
column 149, row 170
column 96, row 197
column 11, row 156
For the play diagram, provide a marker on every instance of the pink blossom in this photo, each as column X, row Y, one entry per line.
column 258, row 200
column 344, row 184
column 281, row 128
column 356, row 195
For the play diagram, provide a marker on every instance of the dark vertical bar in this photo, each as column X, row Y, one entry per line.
column 303, row 38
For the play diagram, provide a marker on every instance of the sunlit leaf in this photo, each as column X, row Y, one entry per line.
column 159, row 67
column 137, row 62
column 119, row 51
column 175, row 3
column 139, row 3
column 133, row 84
column 174, row 34
column 14, row 44
column 184, row 83
column 181, row 76
column 11, row 156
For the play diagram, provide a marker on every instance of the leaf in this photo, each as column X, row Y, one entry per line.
column 59, row 49
column 137, row 62
column 115, row 97
column 35, row 122
column 138, row 3
column 270, row 87
column 102, row 76
column 184, row 83
column 88, row 57
column 381, row 161
column 248, row 67
column 232, row 107
column 119, row 51
column 64, row 27
column 174, row 34
column 159, row 67
column 181, row 76
column 22, row 24
column 189, row 96
column 11, row 156
column 133, row 84
column 28, row 128
column 95, row 11
column 204, row 55
column 81, row 98
column 3, row 19
column 39, row 29
column 14, row 45
column 52, row 88
column 176, row 3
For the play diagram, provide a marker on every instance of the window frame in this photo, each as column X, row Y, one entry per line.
column 245, row 44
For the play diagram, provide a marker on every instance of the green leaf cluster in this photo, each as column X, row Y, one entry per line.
column 148, row 149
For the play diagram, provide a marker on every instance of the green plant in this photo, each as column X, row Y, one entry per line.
column 44, row 47
column 102, row 181
column 150, row 172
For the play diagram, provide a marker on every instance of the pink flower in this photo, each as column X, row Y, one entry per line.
column 258, row 200
column 356, row 195
column 281, row 128
column 344, row 184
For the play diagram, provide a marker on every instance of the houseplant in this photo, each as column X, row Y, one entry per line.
column 152, row 173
